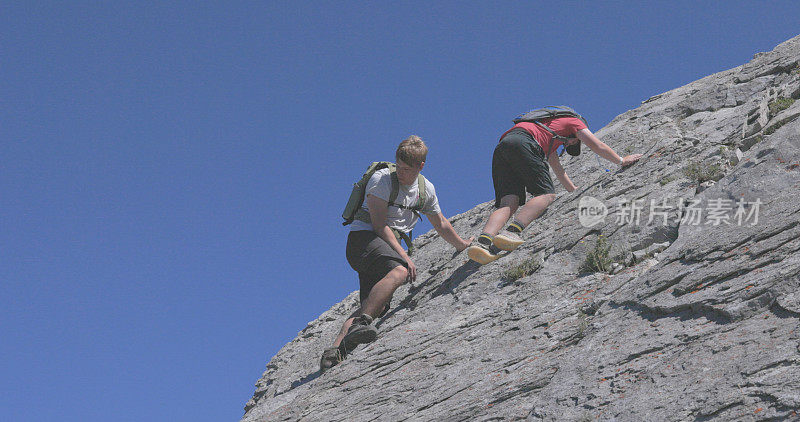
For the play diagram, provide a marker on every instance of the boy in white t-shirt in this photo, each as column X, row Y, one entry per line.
column 374, row 251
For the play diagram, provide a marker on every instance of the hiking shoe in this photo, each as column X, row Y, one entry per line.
column 508, row 241
column 362, row 331
column 483, row 254
column 331, row 357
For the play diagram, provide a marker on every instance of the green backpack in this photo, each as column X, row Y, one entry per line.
column 353, row 210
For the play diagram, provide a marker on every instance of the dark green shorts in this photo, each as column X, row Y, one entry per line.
column 519, row 164
column 372, row 258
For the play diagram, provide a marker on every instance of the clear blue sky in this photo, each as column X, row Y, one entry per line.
column 172, row 174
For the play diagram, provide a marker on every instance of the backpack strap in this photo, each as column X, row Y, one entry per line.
column 395, row 187
column 399, row 235
column 421, row 192
column 404, row 237
column 421, row 196
column 555, row 136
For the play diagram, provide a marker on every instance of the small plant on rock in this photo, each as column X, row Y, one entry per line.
column 664, row 180
column 702, row 172
column 522, row 270
column 778, row 105
column 599, row 258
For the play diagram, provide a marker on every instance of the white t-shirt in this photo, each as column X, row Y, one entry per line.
column 380, row 185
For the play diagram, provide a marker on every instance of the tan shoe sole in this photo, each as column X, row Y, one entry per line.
column 505, row 243
column 480, row 255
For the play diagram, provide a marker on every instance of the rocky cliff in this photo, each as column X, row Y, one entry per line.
column 664, row 291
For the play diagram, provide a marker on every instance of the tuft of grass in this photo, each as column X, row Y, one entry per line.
column 522, row 270
column 770, row 130
column 664, row 180
column 599, row 258
column 778, row 105
column 702, row 172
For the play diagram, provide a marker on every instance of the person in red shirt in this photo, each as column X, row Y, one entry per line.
column 519, row 164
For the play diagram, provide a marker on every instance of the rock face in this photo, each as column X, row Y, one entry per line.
column 696, row 318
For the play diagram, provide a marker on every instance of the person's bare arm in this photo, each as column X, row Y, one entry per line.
column 378, row 210
column 445, row 229
column 600, row 148
column 555, row 164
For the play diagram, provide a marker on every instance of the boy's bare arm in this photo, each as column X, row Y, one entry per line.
column 600, row 148
column 445, row 229
column 555, row 163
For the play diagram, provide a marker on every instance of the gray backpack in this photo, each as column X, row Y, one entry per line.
column 548, row 112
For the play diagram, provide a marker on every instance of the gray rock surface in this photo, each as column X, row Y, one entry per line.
column 703, row 323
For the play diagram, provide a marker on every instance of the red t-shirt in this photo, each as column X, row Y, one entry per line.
column 563, row 126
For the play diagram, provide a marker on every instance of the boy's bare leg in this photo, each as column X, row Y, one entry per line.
column 380, row 294
column 500, row 216
column 345, row 327
column 534, row 208
column 511, row 240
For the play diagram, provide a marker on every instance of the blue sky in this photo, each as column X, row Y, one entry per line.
column 172, row 174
